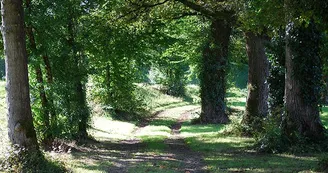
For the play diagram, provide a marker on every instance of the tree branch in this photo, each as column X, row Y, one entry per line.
column 141, row 7
column 211, row 13
column 206, row 12
column 185, row 15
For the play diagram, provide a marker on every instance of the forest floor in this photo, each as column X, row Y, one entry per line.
column 168, row 142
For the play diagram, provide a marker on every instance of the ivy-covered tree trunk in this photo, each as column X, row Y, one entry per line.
column 257, row 99
column 213, row 73
column 303, row 83
column 20, row 121
column 80, row 93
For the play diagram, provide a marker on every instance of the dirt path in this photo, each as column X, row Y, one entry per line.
column 193, row 161
column 134, row 155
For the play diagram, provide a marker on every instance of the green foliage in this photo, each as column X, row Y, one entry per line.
column 323, row 163
column 237, row 67
column 261, row 16
column 276, row 80
column 270, row 139
column 58, row 36
column 172, row 75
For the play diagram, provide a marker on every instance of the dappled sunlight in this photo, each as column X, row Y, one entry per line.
column 104, row 128
column 324, row 116
column 154, row 131
column 120, row 157
column 198, row 130
column 175, row 113
column 236, row 98
column 257, row 163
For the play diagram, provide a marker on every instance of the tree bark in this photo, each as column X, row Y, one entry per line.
column 257, row 99
column 213, row 73
column 302, row 116
column 20, row 121
column 83, row 112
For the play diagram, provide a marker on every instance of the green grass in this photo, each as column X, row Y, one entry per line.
column 3, row 120
column 235, row 154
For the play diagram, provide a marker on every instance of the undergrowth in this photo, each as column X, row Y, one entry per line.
column 22, row 160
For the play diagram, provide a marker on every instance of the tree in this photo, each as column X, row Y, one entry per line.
column 303, row 83
column 20, row 121
column 214, row 60
column 257, row 99
column 213, row 73
column 36, row 64
column 258, row 19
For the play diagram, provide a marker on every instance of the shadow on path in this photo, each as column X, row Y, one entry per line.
column 155, row 155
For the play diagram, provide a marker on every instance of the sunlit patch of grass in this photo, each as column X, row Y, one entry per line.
column 189, row 130
column 157, row 167
column 154, row 131
column 235, row 154
column 175, row 113
column 324, row 116
column 236, row 98
column 215, row 143
column 3, row 120
column 106, row 129
column 253, row 162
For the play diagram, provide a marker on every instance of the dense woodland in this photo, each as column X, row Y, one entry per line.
column 62, row 57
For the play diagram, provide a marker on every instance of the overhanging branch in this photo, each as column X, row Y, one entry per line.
column 211, row 13
column 141, row 7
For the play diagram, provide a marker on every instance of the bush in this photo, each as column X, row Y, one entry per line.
column 323, row 163
column 270, row 139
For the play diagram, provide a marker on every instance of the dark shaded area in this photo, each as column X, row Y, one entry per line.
column 2, row 68
column 125, row 156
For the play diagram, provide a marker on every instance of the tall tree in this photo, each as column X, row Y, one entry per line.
column 45, row 107
column 302, row 84
column 213, row 73
column 20, row 121
column 214, row 60
column 258, row 21
column 257, row 99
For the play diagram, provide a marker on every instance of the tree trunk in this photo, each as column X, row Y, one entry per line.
column 43, row 97
column 51, row 104
column 83, row 112
column 302, row 115
column 20, row 121
column 213, row 73
column 39, row 78
column 257, row 99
